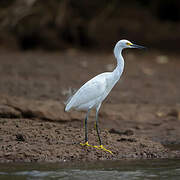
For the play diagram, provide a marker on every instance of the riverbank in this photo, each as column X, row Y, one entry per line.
column 141, row 115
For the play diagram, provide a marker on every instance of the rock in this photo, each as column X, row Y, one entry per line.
column 173, row 113
column 8, row 112
column 47, row 110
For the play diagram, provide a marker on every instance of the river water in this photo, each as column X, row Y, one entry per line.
column 101, row 170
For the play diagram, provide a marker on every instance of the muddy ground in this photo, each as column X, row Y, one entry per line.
column 138, row 119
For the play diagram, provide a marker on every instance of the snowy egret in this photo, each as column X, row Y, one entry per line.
column 93, row 92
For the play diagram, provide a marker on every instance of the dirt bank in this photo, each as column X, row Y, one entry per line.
column 141, row 114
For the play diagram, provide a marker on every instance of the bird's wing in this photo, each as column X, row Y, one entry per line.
column 91, row 90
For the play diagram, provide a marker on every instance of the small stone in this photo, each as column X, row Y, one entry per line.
column 160, row 114
column 19, row 137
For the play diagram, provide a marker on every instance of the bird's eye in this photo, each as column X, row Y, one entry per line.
column 128, row 44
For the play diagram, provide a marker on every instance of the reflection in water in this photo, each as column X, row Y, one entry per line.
column 131, row 170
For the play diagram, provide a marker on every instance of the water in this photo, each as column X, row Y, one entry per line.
column 101, row 170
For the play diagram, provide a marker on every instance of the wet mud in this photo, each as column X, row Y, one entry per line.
column 138, row 120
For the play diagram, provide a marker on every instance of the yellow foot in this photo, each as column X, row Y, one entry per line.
column 103, row 148
column 86, row 144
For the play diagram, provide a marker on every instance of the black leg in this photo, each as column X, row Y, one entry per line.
column 97, row 128
column 98, row 132
column 86, row 131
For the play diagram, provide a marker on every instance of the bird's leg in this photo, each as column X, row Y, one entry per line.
column 97, row 128
column 86, row 131
column 98, row 133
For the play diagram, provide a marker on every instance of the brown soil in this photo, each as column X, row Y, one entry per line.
column 140, row 116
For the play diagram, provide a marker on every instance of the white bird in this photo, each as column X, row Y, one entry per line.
column 93, row 92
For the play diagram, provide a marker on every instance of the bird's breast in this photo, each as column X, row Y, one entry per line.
column 110, row 82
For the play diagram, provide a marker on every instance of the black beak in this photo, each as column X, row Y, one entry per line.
column 137, row 46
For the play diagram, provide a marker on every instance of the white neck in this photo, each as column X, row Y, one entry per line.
column 120, row 62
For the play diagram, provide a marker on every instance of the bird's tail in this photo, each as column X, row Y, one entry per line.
column 67, row 108
column 70, row 93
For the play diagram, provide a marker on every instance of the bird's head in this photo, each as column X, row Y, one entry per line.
column 122, row 44
column 127, row 44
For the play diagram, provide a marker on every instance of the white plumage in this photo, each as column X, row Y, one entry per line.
column 93, row 92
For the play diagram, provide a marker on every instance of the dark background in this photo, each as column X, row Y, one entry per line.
column 50, row 48
column 62, row 24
